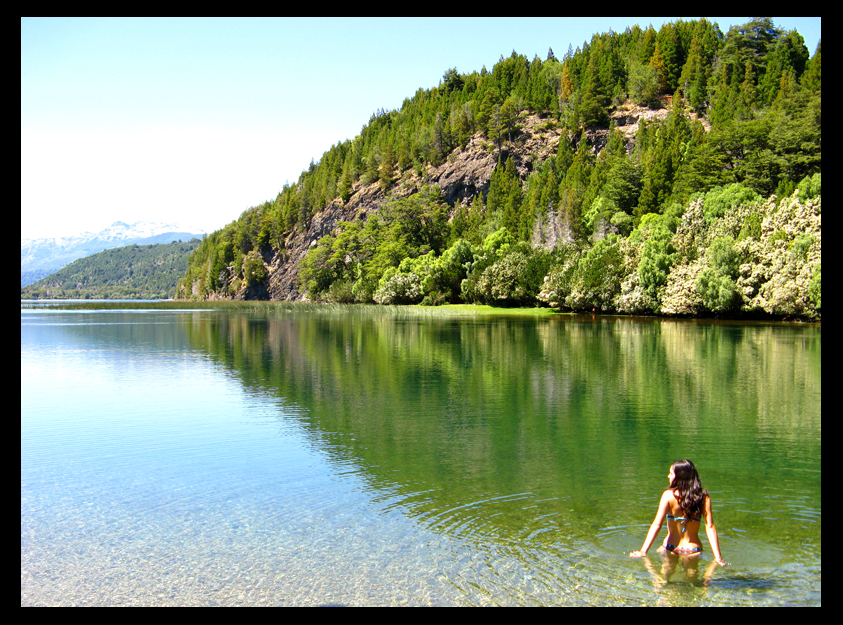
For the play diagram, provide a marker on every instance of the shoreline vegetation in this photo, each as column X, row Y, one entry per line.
column 444, row 310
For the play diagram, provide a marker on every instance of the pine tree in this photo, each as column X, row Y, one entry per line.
column 693, row 80
column 346, row 179
column 811, row 79
column 508, row 117
column 566, row 83
column 594, row 94
column 386, row 172
column 746, row 95
column 451, row 81
column 484, row 113
column 669, row 49
column 659, row 65
column 574, row 184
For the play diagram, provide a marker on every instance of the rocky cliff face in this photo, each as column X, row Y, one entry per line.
column 466, row 173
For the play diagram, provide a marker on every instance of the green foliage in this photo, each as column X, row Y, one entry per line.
column 498, row 243
column 723, row 257
column 420, row 221
column 663, row 150
column 558, row 283
column 574, row 186
column 801, row 245
column 597, row 277
column 718, row 201
column 447, row 272
column 623, row 182
column 622, row 222
column 643, row 84
column 815, row 288
column 658, row 255
column 451, row 81
column 503, row 271
column 751, row 227
column 396, row 288
column 515, row 279
column 254, row 270
column 812, row 78
column 716, row 285
column 505, row 198
column 468, row 219
column 719, row 292
column 317, row 272
column 600, row 212
column 809, row 187
column 359, row 255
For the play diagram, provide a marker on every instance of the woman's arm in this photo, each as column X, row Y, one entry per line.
column 711, row 532
column 656, row 526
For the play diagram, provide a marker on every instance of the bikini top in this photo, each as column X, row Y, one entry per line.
column 683, row 519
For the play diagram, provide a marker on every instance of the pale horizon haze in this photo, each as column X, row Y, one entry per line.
column 192, row 121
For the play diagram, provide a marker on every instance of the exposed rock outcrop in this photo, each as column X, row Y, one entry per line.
column 465, row 173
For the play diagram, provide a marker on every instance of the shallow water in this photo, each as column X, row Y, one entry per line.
column 365, row 458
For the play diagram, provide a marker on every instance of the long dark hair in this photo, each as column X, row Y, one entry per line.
column 692, row 495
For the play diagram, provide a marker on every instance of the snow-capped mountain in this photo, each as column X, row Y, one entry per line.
column 41, row 257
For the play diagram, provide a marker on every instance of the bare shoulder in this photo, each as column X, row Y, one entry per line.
column 668, row 496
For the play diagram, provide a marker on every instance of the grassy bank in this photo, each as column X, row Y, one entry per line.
column 267, row 306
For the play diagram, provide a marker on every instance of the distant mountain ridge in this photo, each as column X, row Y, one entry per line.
column 41, row 257
column 129, row 272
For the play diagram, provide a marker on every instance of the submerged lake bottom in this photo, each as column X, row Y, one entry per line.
column 363, row 458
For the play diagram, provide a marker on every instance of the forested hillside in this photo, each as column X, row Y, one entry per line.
column 130, row 272
column 674, row 171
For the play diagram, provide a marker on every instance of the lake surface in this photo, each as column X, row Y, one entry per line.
column 372, row 457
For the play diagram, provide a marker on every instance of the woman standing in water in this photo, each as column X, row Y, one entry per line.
column 685, row 504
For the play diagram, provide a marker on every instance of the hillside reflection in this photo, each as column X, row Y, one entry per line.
column 574, row 413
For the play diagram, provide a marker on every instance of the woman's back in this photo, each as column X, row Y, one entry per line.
column 682, row 530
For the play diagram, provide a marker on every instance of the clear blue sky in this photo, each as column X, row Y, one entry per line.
column 192, row 121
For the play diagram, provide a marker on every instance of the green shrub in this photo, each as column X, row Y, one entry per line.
column 399, row 288
column 716, row 284
column 558, row 282
column 657, row 258
column 446, row 273
column 719, row 292
column 815, row 288
column 598, row 276
column 721, row 199
column 254, row 271
column 809, row 187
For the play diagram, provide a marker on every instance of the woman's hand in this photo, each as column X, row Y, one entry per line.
column 723, row 563
column 636, row 554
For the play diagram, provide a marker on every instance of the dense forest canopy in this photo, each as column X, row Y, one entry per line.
column 742, row 124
